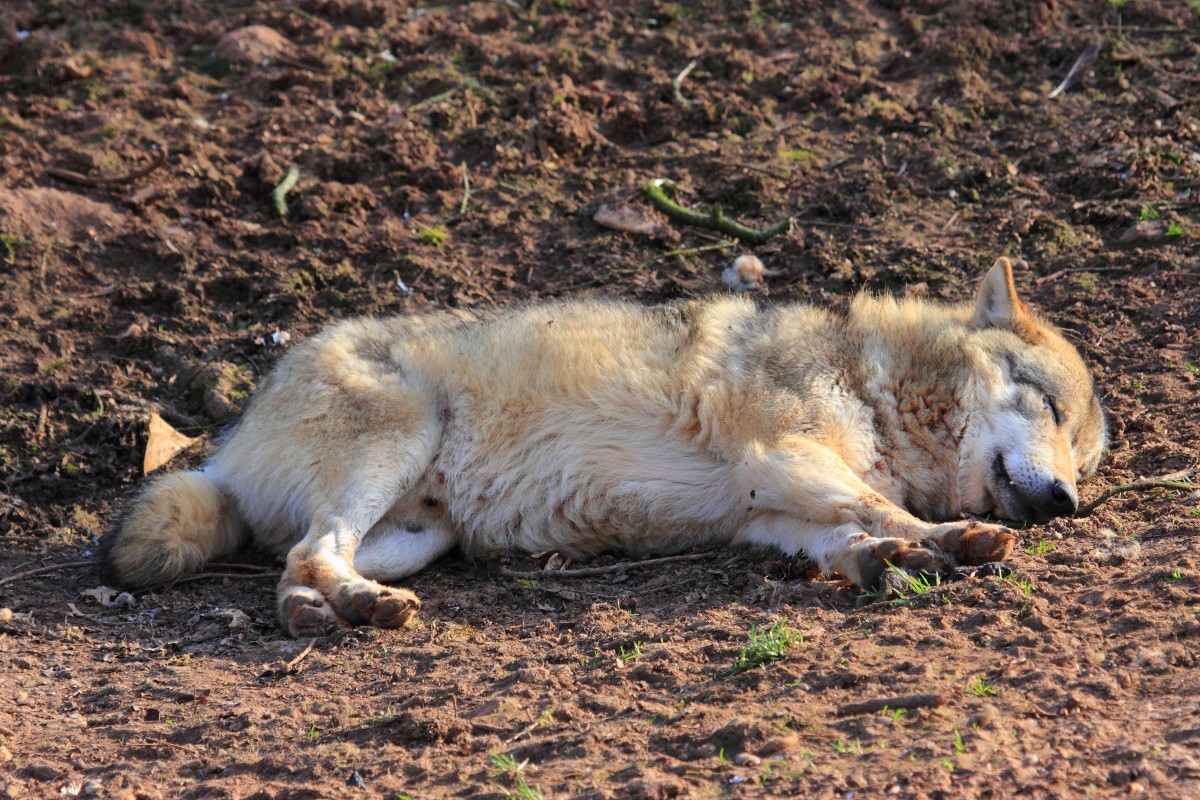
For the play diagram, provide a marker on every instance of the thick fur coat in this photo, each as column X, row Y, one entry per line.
column 862, row 440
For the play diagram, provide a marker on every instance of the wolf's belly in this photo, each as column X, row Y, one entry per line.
column 583, row 495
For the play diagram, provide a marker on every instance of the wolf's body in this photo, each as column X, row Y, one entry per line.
column 381, row 444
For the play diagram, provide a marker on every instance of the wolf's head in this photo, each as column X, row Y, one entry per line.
column 1042, row 428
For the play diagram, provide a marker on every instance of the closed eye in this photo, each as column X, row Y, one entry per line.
column 1052, row 407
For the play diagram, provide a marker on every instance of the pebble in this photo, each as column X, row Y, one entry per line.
column 5, row 754
column 6, row 614
column 747, row 760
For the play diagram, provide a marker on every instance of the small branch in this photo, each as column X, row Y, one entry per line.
column 466, row 198
column 291, row 665
column 714, row 219
column 52, row 568
column 70, row 176
column 1083, row 62
column 432, row 101
column 1179, row 481
column 678, row 80
column 202, row 576
column 905, row 701
column 279, row 192
column 591, row 572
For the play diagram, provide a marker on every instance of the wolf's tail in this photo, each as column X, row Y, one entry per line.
column 177, row 524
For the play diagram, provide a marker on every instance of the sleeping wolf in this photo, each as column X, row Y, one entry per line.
column 588, row 426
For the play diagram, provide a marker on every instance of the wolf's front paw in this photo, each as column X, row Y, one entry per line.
column 367, row 602
column 868, row 560
column 303, row 612
column 972, row 542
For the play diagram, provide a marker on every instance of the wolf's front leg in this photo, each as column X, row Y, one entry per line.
column 807, row 498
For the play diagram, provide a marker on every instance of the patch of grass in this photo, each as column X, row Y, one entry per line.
column 1175, row 577
column 917, row 585
column 55, row 364
column 1147, row 213
column 798, row 154
column 433, row 235
column 1174, row 230
column 1041, row 548
column 629, row 656
column 1022, row 583
column 894, row 713
column 766, row 646
column 527, row 583
column 981, row 688
column 960, row 747
column 1191, row 368
column 504, row 765
column 852, row 748
column 9, row 242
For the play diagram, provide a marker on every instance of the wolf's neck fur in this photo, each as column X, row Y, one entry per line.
column 918, row 377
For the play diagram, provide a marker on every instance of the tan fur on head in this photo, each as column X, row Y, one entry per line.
column 176, row 525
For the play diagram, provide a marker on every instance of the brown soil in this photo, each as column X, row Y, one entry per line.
column 914, row 142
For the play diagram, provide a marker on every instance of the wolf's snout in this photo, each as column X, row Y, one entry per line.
column 1057, row 500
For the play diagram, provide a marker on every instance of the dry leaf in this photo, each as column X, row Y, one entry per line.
column 630, row 218
column 164, row 444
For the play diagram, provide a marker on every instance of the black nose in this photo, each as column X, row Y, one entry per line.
column 1062, row 500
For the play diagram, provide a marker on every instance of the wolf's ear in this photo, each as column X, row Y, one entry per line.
column 997, row 305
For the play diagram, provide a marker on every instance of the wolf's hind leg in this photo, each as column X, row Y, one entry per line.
column 391, row 552
column 322, row 588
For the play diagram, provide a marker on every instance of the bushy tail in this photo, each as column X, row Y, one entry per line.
column 177, row 524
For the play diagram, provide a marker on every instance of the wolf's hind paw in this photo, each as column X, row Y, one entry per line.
column 304, row 613
column 378, row 605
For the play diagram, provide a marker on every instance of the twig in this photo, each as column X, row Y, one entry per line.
column 1140, row 56
column 52, row 568
column 437, row 98
column 1179, row 481
column 201, row 576
column 466, row 198
column 714, row 219
column 291, row 665
column 678, row 80
column 286, row 185
column 590, row 572
column 905, row 701
column 1083, row 62
column 70, row 176
column 1053, row 275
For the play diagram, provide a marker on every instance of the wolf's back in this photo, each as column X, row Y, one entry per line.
column 173, row 527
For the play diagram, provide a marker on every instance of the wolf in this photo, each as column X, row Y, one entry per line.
column 860, row 439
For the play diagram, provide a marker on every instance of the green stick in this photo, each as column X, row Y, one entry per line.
column 714, row 219
column 286, row 185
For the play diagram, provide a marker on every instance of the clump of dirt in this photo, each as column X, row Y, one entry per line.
column 55, row 214
column 472, row 156
column 252, row 44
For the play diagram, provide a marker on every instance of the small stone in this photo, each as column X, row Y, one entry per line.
column 252, row 44
column 5, row 755
column 5, row 615
column 747, row 760
column 22, row 698
column 92, row 788
column 987, row 716
column 41, row 772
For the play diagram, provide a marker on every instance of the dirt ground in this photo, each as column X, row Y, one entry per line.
column 455, row 156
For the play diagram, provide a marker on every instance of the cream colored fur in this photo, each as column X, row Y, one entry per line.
column 587, row 426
